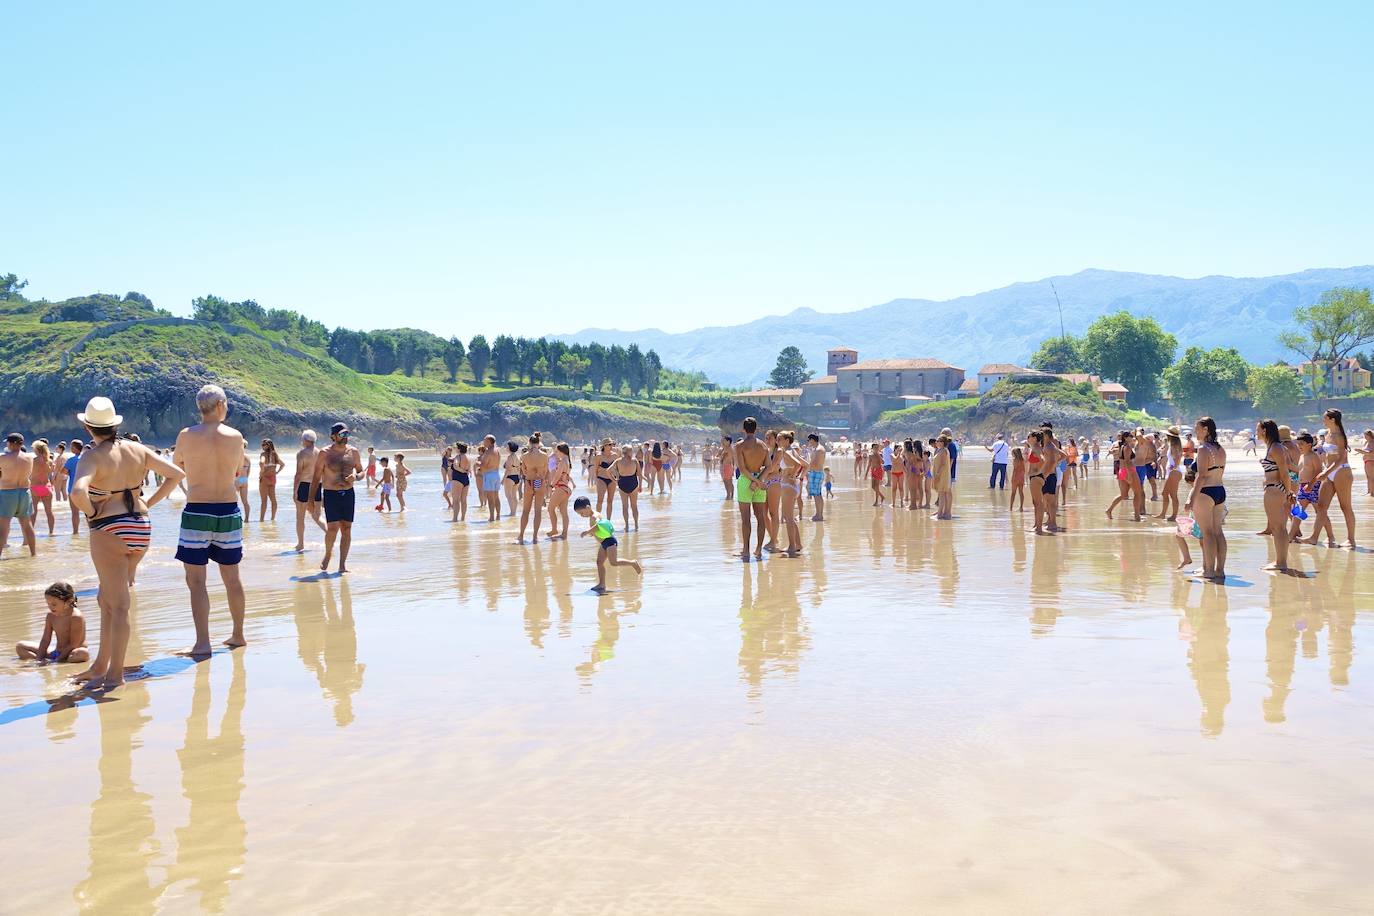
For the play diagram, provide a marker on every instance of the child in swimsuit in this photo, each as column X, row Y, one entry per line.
column 387, row 482
column 64, row 625
column 829, row 483
column 604, row 532
column 1018, row 479
column 401, row 472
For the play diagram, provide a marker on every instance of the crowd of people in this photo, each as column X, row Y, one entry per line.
column 769, row 477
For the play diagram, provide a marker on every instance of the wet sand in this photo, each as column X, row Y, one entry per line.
column 912, row 716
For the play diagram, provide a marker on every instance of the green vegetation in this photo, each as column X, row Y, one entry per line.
column 1330, row 331
column 1205, row 379
column 1053, row 389
column 791, row 369
column 1273, row 389
column 1059, row 354
column 1133, row 351
column 921, row 411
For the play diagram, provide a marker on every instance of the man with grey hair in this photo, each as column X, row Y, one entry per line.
column 211, row 524
column 307, row 500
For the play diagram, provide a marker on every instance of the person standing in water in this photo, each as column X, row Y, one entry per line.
column 337, row 468
column 109, row 489
column 1208, row 500
column 41, row 486
column 815, row 477
column 241, row 482
column 560, row 489
column 401, row 472
column 1279, row 492
column 629, row 477
column 1173, row 474
column 1337, row 481
column 269, row 465
column 211, row 454
column 16, row 470
column 751, row 456
column 69, row 475
column 460, row 472
column 534, row 473
column 489, row 472
column 307, row 498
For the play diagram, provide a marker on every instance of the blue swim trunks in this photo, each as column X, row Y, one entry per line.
column 210, row 531
column 491, row 480
column 815, row 481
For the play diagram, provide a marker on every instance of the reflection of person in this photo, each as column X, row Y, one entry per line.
column 607, row 634
column 342, row 675
column 773, row 634
column 1209, row 657
column 212, row 845
column 121, row 840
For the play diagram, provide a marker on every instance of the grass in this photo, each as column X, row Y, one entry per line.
column 920, row 410
column 1057, row 390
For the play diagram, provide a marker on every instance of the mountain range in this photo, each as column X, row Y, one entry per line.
column 1002, row 325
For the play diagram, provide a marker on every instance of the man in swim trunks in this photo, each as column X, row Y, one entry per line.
column 16, row 467
column 489, row 471
column 534, row 473
column 211, row 523
column 750, row 457
column 307, row 499
column 815, row 477
column 1145, row 454
column 336, row 468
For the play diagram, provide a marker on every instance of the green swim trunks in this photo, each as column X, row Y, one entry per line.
column 15, row 503
column 747, row 491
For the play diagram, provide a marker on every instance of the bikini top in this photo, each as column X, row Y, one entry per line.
column 1270, row 466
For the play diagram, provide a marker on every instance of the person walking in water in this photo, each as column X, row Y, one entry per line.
column 16, row 469
column 815, row 477
column 211, row 454
column 337, row 468
column 534, row 474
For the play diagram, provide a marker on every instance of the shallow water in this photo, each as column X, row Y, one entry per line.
column 911, row 716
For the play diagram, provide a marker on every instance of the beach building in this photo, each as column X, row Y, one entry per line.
column 781, row 400
column 1343, row 378
column 993, row 373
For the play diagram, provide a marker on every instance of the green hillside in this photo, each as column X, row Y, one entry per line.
column 151, row 364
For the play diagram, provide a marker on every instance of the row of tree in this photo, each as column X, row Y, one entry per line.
column 412, row 351
column 1139, row 354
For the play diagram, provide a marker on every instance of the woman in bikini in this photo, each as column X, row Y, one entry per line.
column 1279, row 491
column 510, row 480
column 727, row 467
column 107, row 487
column 1337, row 481
column 876, row 472
column 911, row 464
column 40, row 484
column 605, row 481
column 1208, row 500
column 241, row 482
column 1018, row 479
column 1367, row 450
column 899, row 476
column 59, row 473
column 630, row 474
column 460, row 473
column 772, row 485
column 269, row 465
column 792, row 468
column 1173, row 474
column 1121, row 464
column 560, row 489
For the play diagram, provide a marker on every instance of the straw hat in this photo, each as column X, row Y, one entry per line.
column 99, row 412
column 1174, row 431
column 1285, row 434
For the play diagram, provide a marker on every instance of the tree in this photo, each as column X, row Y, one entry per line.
column 503, row 357
column 383, row 353
column 616, row 367
column 1273, row 389
column 653, row 371
column 791, row 369
column 574, row 368
column 453, row 357
column 1340, row 322
column 525, row 355
column 1130, row 350
column 479, row 356
column 346, row 347
column 409, row 354
column 554, row 351
column 1059, row 354
column 539, row 371
column 10, row 286
column 635, row 369
column 1204, row 379
column 596, row 366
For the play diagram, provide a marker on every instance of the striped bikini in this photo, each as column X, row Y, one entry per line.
column 133, row 528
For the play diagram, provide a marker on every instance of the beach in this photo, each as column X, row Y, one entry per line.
column 912, row 715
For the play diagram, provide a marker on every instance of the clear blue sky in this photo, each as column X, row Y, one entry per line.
column 541, row 167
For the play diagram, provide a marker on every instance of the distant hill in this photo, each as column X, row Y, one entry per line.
column 1002, row 325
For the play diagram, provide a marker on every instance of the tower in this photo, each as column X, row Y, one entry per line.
column 838, row 358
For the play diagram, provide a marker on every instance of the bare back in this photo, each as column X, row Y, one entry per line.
column 15, row 470
column 305, row 465
column 211, row 455
column 108, row 470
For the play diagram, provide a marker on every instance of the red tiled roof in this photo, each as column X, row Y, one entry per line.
column 871, row 365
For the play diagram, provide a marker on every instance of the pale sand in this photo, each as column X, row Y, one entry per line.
column 460, row 726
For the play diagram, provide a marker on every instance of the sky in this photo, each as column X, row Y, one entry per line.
column 534, row 168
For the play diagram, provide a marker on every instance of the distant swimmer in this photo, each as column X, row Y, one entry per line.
column 16, row 470
column 337, row 468
column 211, row 455
column 308, row 498
column 108, row 488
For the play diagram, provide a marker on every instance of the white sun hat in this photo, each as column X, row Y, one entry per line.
column 100, row 412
